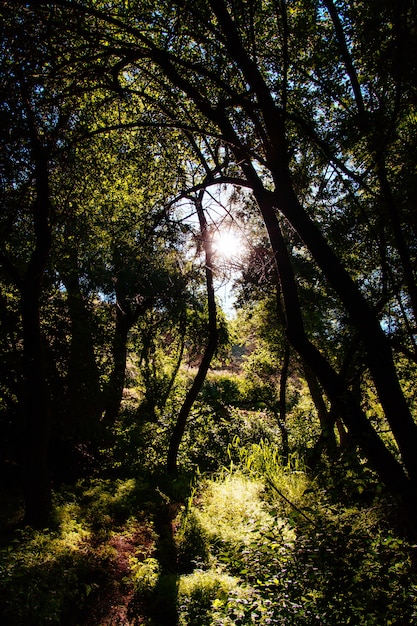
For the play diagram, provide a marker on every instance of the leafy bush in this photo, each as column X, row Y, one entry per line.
column 209, row 435
column 145, row 575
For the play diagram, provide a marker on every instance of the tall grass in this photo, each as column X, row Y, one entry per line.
column 293, row 555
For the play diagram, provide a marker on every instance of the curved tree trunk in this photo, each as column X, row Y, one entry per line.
column 326, row 418
column 272, row 135
column 282, row 422
column 383, row 461
column 209, row 352
column 378, row 350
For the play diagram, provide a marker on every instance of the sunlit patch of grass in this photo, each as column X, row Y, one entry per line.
column 228, row 520
column 209, row 598
column 232, row 510
column 292, row 554
column 227, row 526
column 288, row 487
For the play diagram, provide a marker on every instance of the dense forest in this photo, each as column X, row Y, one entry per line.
column 171, row 455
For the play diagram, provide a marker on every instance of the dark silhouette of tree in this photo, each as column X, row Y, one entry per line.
column 312, row 108
column 212, row 341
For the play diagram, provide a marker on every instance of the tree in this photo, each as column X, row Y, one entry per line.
column 291, row 99
column 34, row 121
column 210, row 348
column 59, row 253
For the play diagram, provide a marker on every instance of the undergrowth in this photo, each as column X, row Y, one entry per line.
column 294, row 556
column 53, row 576
column 258, row 542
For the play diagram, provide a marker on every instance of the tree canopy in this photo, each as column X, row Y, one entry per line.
column 117, row 113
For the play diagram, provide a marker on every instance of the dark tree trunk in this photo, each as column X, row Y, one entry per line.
column 378, row 350
column 209, row 352
column 126, row 318
column 36, row 401
column 273, row 135
column 282, row 422
column 35, row 425
column 326, row 417
column 377, row 146
column 114, row 393
column 401, row 485
column 84, row 398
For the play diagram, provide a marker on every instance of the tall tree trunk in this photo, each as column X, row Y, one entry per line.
column 378, row 349
column 36, row 401
column 282, row 422
column 326, row 418
column 273, row 135
column 114, row 392
column 209, row 352
column 84, row 398
column 383, row 461
column 377, row 147
column 126, row 318
column 35, row 413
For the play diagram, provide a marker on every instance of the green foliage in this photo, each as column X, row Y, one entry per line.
column 192, row 541
column 233, row 512
column 221, row 390
column 287, row 485
column 141, row 443
column 294, row 556
column 53, row 576
column 145, row 575
column 302, row 421
column 107, row 502
column 46, row 576
column 209, row 435
column 102, row 149
column 261, row 543
column 213, row 598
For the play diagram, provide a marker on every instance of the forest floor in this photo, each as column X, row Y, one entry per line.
column 116, row 600
column 113, row 602
column 127, row 552
column 106, row 561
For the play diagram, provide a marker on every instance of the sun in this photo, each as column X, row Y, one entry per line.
column 227, row 245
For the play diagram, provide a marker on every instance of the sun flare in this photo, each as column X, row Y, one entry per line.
column 228, row 245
